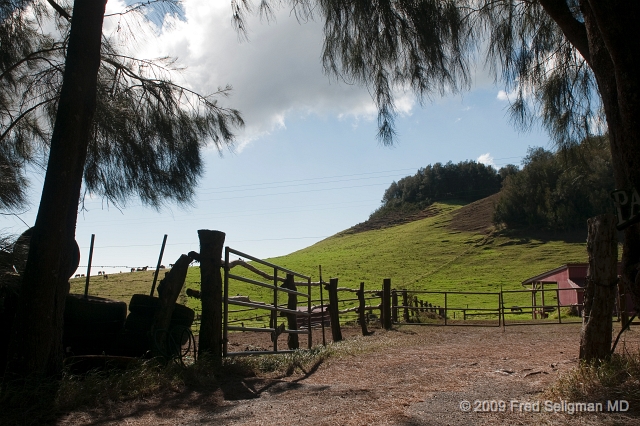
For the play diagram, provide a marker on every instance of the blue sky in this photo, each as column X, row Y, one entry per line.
column 307, row 165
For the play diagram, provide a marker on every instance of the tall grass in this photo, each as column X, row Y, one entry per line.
column 615, row 379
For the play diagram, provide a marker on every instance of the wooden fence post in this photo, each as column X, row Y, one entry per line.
column 210, row 340
column 155, row 274
column 600, row 289
column 622, row 304
column 386, row 303
column 405, row 302
column 394, row 306
column 363, row 322
column 292, row 304
column 333, row 310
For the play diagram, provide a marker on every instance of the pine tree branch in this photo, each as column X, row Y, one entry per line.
column 573, row 29
column 60, row 10
column 21, row 116
column 30, row 57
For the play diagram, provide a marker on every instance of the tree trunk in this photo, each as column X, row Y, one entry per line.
column 600, row 293
column 614, row 44
column 35, row 347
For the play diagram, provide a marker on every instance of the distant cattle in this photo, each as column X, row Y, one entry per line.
column 77, row 276
column 99, row 272
column 105, row 276
column 161, row 267
column 133, row 269
column 82, row 275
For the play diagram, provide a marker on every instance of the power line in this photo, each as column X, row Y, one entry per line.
column 312, row 179
column 259, row 212
column 229, row 189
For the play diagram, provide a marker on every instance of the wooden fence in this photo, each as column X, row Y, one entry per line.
column 446, row 308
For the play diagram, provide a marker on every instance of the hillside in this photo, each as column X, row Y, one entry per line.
column 454, row 247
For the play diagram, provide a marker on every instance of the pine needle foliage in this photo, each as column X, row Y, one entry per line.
column 148, row 131
column 431, row 47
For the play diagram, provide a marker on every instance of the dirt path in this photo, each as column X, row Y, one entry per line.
column 411, row 376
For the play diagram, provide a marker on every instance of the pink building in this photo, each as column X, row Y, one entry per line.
column 570, row 280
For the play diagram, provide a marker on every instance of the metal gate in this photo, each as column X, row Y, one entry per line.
column 268, row 280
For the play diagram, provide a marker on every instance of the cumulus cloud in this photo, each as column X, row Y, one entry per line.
column 486, row 159
column 275, row 75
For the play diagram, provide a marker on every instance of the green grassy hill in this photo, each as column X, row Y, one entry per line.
column 450, row 250
column 452, row 247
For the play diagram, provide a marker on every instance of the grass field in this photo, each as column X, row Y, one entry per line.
column 428, row 254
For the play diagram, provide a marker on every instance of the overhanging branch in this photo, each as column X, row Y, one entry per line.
column 573, row 29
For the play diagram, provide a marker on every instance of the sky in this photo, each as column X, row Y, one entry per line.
column 306, row 165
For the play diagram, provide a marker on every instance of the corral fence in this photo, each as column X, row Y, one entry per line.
column 276, row 284
column 387, row 306
column 266, row 293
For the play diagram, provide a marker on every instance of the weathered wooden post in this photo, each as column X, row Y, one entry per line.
column 622, row 305
column 292, row 305
column 394, row 306
column 602, row 247
column 405, row 302
column 155, row 274
column 210, row 340
column 361, row 310
column 558, row 305
column 86, row 285
column 386, row 303
column 446, row 309
column 334, row 316
column 168, row 291
column 322, row 308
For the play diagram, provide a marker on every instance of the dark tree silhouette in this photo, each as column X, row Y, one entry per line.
column 117, row 124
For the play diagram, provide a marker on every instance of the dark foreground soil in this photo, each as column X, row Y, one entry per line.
column 409, row 376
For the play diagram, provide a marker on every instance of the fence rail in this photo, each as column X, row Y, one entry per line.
column 290, row 310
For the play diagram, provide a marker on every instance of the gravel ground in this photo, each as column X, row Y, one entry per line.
column 410, row 376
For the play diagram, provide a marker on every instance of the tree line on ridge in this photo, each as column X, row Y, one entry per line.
column 555, row 191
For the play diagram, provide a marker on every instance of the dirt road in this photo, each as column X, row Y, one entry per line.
column 410, row 376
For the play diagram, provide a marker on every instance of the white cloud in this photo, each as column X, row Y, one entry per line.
column 276, row 75
column 486, row 159
column 503, row 96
